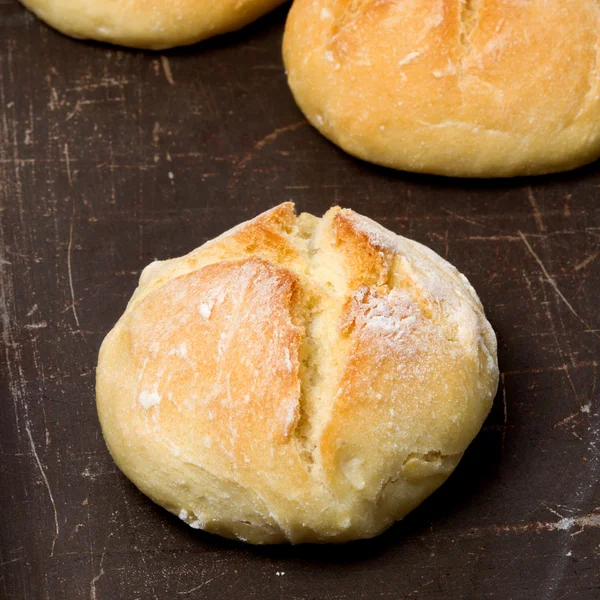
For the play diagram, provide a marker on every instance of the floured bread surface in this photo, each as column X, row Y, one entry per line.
column 152, row 24
column 470, row 88
column 296, row 379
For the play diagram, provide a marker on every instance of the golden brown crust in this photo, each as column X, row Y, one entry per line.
column 369, row 258
column 478, row 88
column 296, row 379
column 151, row 24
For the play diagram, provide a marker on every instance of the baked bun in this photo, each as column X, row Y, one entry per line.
column 296, row 379
column 467, row 88
column 152, row 24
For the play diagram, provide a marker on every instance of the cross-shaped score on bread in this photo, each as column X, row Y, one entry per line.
column 297, row 379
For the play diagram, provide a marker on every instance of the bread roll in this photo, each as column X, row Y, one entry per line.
column 467, row 88
column 152, row 24
column 296, row 379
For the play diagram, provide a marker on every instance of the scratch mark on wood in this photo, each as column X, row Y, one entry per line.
column 583, row 409
column 101, row 572
column 93, row 584
column 564, row 524
column 68, row 163
column 7, row 302
column 9, row 562
column 6, row 322
column 537, row 215
column 584, row 263
column 491, row 238
column 461, row 218
column 75, row 110
column 201, row 585
column 103, row 83
column 164, row 61
column 570, row 380
column 552, row 281
column 40, row 325
column 269, row 139
column 554, row 512
column 46, row 483
column 512, row 238
column 421, row 587
column 561, row 559
column 70, row 270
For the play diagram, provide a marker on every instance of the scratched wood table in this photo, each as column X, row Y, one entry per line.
column 110, row 158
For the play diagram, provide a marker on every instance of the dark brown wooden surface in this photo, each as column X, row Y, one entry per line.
column 110, row 158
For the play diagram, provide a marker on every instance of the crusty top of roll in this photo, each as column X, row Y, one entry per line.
column 296, row 378
column 475, row 88
column 151, row 24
